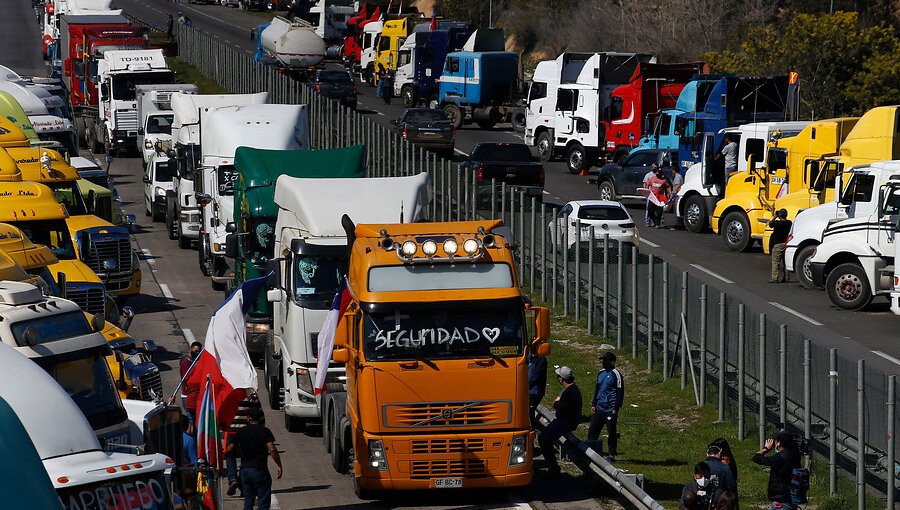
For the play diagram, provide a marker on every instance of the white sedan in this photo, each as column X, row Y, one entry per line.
column 606, row 216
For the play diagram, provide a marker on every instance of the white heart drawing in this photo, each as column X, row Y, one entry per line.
column 492, row 334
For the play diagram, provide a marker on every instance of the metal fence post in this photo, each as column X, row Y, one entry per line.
column 665, row 321
column 544, row 253
column 723, row 360
column 684, row 311
column 650, row 284
column 532, row 258
column 565, row 267
column 860, row 435
column 554, row 250
column 522, row 235
column 592, row 245
column 605, row 286
column 703, row 293
column 503, row 203
column 634, row 302
column 762, row 380
column 620, row 309
column 891, row 405
column 782, row 375
column 741, row 340
column 832, row 421
column 493, row 198
column 576, row 279
column 807, row 395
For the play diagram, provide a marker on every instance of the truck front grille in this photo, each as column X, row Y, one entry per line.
column 90, row 300
column 432, row 468
column 447, row 414
column 126, row 120
column 150, row 385
column 115, row 249
column 440, row 446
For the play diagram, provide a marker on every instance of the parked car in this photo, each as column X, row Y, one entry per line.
column 510, row 163
column 607, row 217
column 625, row 179
column 336, row 84
column 427, row 128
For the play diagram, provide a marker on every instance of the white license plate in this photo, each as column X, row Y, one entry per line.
column 448, row 483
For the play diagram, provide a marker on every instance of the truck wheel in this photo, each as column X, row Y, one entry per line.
column 219, row 286
column 274, row 388
column 801, row 267
column 607, row 191
column 204, row 257
column 183, row 242
column 695, row 214
column 847, row 287
column 338, row 453
column 171, row 219
column 433, row 102
column 454, row 114
column 576, row 158
column 81, row 133
column 368, row 75
column 294, row 424
column 736, row 231
column 544, row 146
column 408, row 96
column 518, row 121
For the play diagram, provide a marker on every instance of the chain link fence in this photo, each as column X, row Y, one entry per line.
column 763, row 375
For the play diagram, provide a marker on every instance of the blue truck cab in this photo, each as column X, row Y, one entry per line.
column 478, row 86
column 664, row 129
column 420, row 61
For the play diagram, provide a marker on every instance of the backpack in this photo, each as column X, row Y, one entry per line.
column 706, row 494
column 799, row 485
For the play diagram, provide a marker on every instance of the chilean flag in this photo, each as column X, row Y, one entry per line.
column 327, row 334
column 224, row 357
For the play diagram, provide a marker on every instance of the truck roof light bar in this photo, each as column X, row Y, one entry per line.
column 473, row 249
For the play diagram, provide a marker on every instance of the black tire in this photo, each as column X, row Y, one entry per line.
column 273, row 384
column 848, row 287
column 408, row 96
column 147, row 209
column 81, row 133
column 607, row 191
column 325, row 414
column 576, row 158
column 695, row 215
column 204, row 257
column 368, row 75
column 294, row 424
column 518, row 121
column 544, row 144
column 219, row 286
column 171, row 220
column 735, row 231
column 338, row 449
column 183, row 242
column 454, row 114
column 801, row 266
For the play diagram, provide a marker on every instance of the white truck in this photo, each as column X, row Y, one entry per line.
column 371, row 31
column 563, row 116
column 223, row 130
column 154, row 112
column 702, row 188
column 119, row 73
column 83, row 475
column 182, row 211
column 292, row 46
column 310, row 235
column 330, row 19
column 855, row 260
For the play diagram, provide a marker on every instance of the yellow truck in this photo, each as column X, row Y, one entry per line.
column 388, row 42
column 21, row 260
column 875, row 137
column 105, row 248
column 791, row 168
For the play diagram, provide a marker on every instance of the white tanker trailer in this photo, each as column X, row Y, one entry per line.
column 291, row 45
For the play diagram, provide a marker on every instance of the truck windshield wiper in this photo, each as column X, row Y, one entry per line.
column 496, row 358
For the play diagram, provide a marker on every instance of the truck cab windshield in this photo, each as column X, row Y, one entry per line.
column 123, row 84
column 68, row 194
column 316, row 277
column 444, row 330
column 160, row 124
column 85, row 377
column 52, row 233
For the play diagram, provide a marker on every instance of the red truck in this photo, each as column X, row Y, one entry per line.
column 84, row 38
column 633, row 105
column 353, row 38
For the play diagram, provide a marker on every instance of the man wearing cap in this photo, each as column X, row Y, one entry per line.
column 568, row 414
column 781, row 467
column 608, row 395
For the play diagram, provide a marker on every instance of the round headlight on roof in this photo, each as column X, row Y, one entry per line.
column 451, row 247
column 409, row 248
column 470, row 246
column 429, row 248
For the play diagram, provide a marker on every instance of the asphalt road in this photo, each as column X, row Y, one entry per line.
column 870, row 334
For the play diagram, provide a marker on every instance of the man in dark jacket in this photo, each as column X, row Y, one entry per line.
column 781, row 466
column 781, row 228
column 718, row 470
column 568, row 414
column 537, row 383
column 609, row 392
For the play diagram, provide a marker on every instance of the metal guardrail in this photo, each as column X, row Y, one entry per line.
column 675, row 320
column 617, row 479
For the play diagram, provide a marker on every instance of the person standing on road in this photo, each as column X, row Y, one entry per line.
column 568, row 415
column 190, row 393
column 609, row 392
column 256, row 444
column 676, row 183
column 781, row 467
column 170, row 26
column 729, row 153
column 659, row 196
column 386, row 85
column 645, row 184
column 781, row 227
column 537, row 383
column 245, row 408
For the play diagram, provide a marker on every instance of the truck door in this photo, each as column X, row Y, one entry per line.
column 566, row 103
column 889, row 215
column 709, row 174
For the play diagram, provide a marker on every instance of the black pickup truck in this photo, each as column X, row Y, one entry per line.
column 511, row 163
column 337, row 85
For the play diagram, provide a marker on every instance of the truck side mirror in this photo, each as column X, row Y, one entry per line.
column 98, row 322
column 104, row 90
column 541, row 324
column 127, row 318
column 147, row 180
column 141, row 131
column 341, row 355
column 542, row 349
column 61, row 283
column 92, row 202
column 231, row 250
column 230, row 228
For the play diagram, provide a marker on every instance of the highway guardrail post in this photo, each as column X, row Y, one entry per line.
column 665, row 320
column 591, row 306
column 606, row 286
column 565, row 267
column 503, row 203
column 742, row 331
column 650, row 287
column 532, row 244
column 684, row 345
column 891, row 419
column 832, row 421
column 782, row 375
column 554, row 253
column 762, row 380
column 493, row 198
column 860, row 433
column 620, row 308
column 576, row 279
column 522, row 259
column 703, row 349
column 543, row 252
column 634, row 302
column 723, row 359
column 807, row 395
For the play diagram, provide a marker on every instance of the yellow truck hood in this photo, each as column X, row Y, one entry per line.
column 84, row 221
column 75, row 271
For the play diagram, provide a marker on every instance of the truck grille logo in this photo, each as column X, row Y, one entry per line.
column 447, row 414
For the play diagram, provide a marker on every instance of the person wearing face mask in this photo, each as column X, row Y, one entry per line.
column 703, row 492
column 719, row 471
column 608, row 395
column 190, row 393
column 781, row 466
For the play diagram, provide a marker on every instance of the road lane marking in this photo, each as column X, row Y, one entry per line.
column 188, row 336
column 712, row 273
column 275, row 505
column 460, row 152
column 796, row 313
column 166, row 292
column 518, row 503
column 650, row 243
column 148, row 257
column 887, row 357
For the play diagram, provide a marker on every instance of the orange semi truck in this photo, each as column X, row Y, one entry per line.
column 435, row 341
